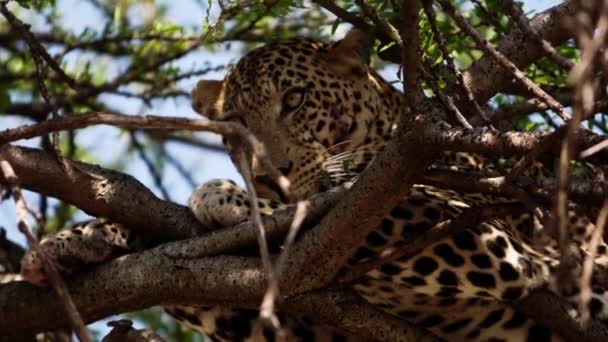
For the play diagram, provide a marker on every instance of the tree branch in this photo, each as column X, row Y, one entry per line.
column 149, row 278
column 486, row 78
column 101, row 192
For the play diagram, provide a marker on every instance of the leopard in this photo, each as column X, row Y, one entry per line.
column 323, row 115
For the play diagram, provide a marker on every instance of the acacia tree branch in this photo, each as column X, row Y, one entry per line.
column 148, row 278
column 101, row 192
column 486, row 78
column 502, row 59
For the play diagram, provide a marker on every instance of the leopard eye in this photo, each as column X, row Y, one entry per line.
column 292, row 100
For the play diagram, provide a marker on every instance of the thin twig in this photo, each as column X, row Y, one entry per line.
column 583, row 100
column 430, row 14
column 35, row 46
column 156, row 176
column 343, row 14
column 49, row 268
column 267, row 308
column 177, row 165
column 380, row 22
column 594, row 149
column 503, row 60
column 445, row 99
column 590, row 45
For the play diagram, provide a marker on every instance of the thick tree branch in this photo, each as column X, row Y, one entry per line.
column 101, row 192
column 149, row 278
column 507, row 143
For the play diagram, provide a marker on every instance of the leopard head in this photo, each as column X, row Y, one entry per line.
column 320, row 110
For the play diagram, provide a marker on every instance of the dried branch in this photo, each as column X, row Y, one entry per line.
column 411, row 54
column 550, row 310
column 583, row 100
column 49, row 268
column 594, row 149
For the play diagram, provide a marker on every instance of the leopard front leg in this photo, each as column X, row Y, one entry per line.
column 87, row 242
column 221, row 203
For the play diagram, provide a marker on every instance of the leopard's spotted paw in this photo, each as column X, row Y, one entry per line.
column 221, row 203
column 86, row 242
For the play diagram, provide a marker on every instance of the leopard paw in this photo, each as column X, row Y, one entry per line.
column 83, row 243
column 221, row 203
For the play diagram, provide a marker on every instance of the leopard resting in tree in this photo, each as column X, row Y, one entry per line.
column 323, row 115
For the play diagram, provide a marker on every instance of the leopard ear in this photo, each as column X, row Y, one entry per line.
column 349, row 55
column 208, row 98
